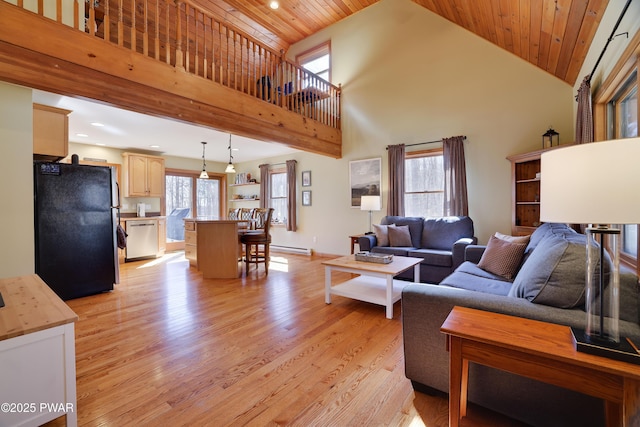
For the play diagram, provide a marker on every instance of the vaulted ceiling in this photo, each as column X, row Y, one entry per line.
column 553, row 35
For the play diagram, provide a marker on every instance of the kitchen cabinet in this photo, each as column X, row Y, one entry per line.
column 162, row 236
column 143, row 175
column 37, row 349
column 50, row 132
column 190, row 242
column 213, row 247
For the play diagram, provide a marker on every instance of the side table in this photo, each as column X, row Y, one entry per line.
column 538, row 350
column 354, row 241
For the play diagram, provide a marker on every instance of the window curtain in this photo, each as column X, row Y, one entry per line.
column 584, row 116
column 455, row 177
column 291, row 196
column 395, row 206
column 264, row 186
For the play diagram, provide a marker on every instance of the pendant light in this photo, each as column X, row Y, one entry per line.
column 230, row 168
column 204, row 174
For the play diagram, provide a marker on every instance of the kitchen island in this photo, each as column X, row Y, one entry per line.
column 37, row 350
column 213, row 246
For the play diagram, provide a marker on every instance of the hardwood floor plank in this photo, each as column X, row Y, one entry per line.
column 168, row 347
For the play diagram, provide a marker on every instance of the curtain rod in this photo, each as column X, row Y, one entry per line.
column 611, row 37
column 426, row 142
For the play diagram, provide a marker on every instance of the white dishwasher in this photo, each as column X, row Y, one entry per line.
column 142, row 239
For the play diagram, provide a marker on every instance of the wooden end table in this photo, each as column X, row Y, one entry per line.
column 354, row 241
column 375, row 283
column 538, row 350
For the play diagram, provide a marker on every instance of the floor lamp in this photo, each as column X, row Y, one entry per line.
column 370, row 203
column 596, row 184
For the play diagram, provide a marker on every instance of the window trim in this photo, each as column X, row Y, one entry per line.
column 272, row 171
column 431, row 152
column 315, row 53
column 612, row 86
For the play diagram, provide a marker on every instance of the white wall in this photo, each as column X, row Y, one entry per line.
column 410, row 76
column 16, row 181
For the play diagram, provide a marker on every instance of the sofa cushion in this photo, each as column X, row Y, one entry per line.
column 382, row 234
column 502, row 257
column 442, row 233
column 399, row 236
column 414, row 223
column 471, row 277
column 433, row 257
column 400, row 251
column 554, row 273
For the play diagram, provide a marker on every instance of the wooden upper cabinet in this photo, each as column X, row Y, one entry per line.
column 50, row 132
column 143, row 175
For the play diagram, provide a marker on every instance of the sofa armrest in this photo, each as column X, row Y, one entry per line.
column 459, row 249
column 473, row 253
column 367, row 242
column 424, row 309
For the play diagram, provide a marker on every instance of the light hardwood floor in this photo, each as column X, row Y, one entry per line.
column 168, row 347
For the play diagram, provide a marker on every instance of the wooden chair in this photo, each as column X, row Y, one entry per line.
column 256, row 242
column 233, row 214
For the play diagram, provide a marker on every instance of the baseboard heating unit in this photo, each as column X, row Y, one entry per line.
column 290, row 249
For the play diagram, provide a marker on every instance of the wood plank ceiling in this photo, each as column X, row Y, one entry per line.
column 554, row 35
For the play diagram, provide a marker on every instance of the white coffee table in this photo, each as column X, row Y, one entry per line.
column 375, row 283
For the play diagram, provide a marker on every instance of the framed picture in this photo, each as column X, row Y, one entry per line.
column 306, row 198
column 306, row 178
column 364, row 179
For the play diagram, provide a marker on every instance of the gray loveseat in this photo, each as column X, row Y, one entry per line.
column 440, row 242
column 548, row 286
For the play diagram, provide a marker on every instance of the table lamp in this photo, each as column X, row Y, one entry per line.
column 595, row 184
column 370, row 203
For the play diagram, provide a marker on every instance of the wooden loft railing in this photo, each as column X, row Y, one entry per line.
column 189, row 38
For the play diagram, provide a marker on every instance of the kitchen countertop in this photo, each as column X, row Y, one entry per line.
column 30, row 306
column 136, row 218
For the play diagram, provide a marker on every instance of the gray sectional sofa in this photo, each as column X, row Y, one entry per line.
column 440, row 242
column 547, row 285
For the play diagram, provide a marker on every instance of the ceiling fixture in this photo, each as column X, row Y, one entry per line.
column 274, row 5
column 204, row 174
column 230, row 168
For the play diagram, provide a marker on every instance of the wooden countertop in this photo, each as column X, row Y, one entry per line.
column 30, row 306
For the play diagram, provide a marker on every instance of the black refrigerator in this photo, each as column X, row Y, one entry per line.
column 76, row 212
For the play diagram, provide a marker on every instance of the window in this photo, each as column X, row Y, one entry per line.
column 317, row 60
column 622, row 122
column 424, row 184
column 278, row 195
column 187, row 196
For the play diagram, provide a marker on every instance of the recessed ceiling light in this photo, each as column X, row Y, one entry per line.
column 154, row 146
column 96, row 124
column 82, row 135
column 101, row 144
column 274, row 5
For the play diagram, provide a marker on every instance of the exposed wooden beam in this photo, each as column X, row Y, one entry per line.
column 39, row 53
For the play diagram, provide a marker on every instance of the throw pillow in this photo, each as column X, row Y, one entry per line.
column 382, row 234
column 554, row 273
column 399, row 236
column 502, row 257
column 513, row 239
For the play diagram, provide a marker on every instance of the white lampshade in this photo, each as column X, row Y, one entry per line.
column 370, row 203
column 204, row 174
column 594, row 183
column 230, row 168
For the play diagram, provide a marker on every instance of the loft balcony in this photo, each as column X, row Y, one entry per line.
column 172, row 59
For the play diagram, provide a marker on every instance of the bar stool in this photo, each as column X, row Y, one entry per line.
column 256, row 241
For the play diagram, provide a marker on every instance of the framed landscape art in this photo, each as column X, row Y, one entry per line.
column 364, row 179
